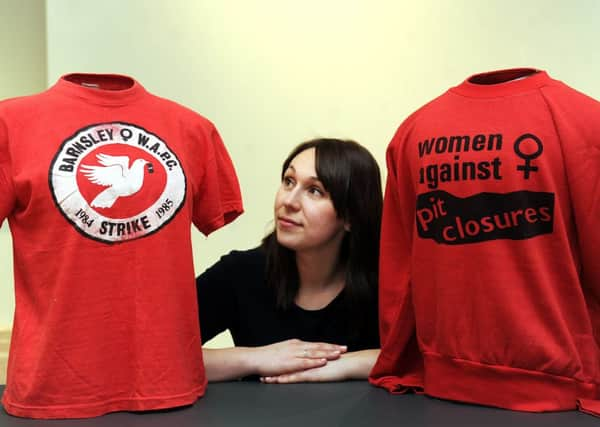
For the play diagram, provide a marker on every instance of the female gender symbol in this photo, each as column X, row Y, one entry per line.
column 527, row 167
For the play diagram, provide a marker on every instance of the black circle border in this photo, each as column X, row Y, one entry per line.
column 525, row 156
column 81, row 231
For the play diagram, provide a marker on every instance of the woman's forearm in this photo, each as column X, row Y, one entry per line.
column 224, row 364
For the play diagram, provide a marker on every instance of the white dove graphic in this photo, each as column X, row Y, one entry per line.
column 115, row 173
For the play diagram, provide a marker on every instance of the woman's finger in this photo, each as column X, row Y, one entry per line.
column 321, row 354
column 319, row 349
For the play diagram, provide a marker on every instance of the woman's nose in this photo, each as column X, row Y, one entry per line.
column 291, row 200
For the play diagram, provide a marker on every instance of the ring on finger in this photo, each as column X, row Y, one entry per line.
column 305, row 353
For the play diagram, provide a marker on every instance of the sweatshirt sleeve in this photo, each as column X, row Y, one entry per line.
column 399, row 368
column 577, row 120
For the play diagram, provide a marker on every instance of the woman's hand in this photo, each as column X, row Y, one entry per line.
column 293, row 355
column 271, row 360
column 354, row 365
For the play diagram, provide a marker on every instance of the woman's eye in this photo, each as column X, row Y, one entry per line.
column 316, row 191
column 287, row 181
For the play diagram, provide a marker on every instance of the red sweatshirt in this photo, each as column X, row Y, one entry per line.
column 100, row 181
column 490, row 281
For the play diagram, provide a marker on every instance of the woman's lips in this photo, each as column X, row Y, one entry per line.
column 287, row 222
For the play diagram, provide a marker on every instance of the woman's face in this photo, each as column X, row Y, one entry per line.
column 304, row 214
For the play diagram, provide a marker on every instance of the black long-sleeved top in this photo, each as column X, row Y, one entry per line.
column 233, row 294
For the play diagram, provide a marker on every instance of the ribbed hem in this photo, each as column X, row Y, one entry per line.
column 100, row 89
column 96, row 409
column 394, row 385
column 502, row 386
column 502, row 83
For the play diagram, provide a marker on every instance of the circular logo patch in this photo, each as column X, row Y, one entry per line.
column 116, row 182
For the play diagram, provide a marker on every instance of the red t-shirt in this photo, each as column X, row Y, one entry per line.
column 490, row 282
column 101, row 182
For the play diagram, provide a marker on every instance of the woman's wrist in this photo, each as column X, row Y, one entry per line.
column 359, row 364
column 250, row 359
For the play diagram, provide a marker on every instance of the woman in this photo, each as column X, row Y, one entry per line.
column 303, row 305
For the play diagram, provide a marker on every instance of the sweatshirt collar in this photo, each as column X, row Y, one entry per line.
column 502, row 83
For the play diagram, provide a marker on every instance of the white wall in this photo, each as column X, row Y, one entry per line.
column 271, row 73
column 22, row 72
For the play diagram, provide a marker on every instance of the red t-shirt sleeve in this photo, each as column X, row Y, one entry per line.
column 399, row 367
column 217, row 200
